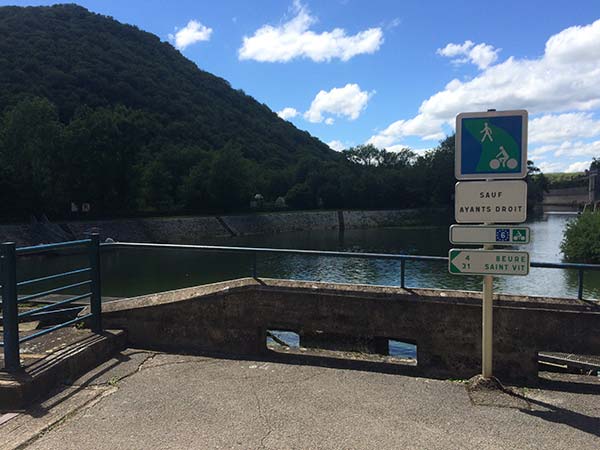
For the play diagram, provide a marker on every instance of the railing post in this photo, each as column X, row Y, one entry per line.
column 580, row 287
column 95, row 298
column 10, row 309
column 253, row 264
column 402, row 272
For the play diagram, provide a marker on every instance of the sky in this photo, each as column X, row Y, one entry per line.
column 395, row 73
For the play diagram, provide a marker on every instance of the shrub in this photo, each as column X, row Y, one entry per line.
column 581, row 240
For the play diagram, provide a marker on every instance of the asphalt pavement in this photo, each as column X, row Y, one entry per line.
column 145, row 400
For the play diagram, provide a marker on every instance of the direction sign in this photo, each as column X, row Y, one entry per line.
column 490, row 201
column 491, row 145
column 489, row 234
column 488, row 262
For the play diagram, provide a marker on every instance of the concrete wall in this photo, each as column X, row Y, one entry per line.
column 282, row 222
column 566, row 196
column 195, row 229
column 232, row 318
column 20, row 234
column 174, row 230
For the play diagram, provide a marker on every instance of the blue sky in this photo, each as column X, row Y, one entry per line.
column 396, row 73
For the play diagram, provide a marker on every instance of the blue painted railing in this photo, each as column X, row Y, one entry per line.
column 11, row 299
column 581, row 268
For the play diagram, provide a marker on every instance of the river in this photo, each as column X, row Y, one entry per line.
column 130, row 272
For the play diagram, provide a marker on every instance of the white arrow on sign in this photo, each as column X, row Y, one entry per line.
column 489, row 234
column 491, row 202
column 487, row 262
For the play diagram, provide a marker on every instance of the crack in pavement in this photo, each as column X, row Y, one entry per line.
column 261, row 414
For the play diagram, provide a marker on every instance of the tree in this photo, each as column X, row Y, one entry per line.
column 581, row 239
column 537, row 184
column 229, row 182
column 367, row 155
column 31, row 138
column 300, row 196
column 156, row 187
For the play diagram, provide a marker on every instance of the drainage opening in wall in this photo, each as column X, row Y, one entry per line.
column 403, row 350
column 282, row 339
column 318, row 343
column 568, row 363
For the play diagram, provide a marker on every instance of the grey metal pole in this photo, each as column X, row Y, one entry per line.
column 402, row 273
column 580, row 284
column 10, row 309
column 487, row 326
column 96, row 297
column 487, row 323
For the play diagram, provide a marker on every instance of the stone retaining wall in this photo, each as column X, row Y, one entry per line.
column 195, row 229
column 232, row 318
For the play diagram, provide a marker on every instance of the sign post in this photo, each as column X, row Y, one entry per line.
column 490, row 146
column 487, row 325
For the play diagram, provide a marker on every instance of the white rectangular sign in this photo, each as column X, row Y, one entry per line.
column 489, row 234
column 490, row 202
column 487, row 262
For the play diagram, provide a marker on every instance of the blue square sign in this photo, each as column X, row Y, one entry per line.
column 491, row 145
column 502, row 235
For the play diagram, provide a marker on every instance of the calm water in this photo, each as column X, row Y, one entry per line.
column 129, row 272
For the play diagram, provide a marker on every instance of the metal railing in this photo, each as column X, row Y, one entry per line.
column 11, row 317
column 11, row 300
column 581, row 268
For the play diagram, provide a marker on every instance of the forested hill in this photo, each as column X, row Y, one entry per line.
column 117, row 108
column 74, row 58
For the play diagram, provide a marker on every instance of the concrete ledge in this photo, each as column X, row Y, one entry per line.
column 17, row 391
column 347, row 290
column 231, row 318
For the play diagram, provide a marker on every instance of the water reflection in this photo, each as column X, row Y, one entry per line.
column 128, row 272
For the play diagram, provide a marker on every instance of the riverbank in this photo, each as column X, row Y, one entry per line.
column 196, row 229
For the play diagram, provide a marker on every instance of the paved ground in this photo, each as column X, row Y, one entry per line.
column 145, row 400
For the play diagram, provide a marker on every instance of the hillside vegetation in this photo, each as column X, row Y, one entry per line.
column 566, row 180
column 92, row 110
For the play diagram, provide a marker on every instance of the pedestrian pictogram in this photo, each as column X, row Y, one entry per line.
column 487, row 132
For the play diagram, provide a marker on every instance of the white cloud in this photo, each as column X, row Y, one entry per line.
column 564, row 79
column 552, row 167
column 193, row 32
column 348, row 101
column 294, row 39
column 417, row 126
column 482, row 55
column 559, row 166
column 338, row 146
column 560, row 127
column 574, row 149
column 287, row 113
column 579, row 166
column 395, row 22
column 538, row 152
column 329, row 121
column 556, row 157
